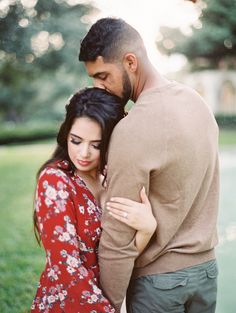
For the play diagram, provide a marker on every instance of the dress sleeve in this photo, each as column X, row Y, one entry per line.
column 66, row 284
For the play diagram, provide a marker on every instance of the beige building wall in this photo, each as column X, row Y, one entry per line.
column 217, row 87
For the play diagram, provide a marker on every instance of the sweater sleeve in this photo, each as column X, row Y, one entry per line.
column 128, row 171
column 68, row 286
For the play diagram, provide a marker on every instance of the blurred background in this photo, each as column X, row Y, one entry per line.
column 193, row 42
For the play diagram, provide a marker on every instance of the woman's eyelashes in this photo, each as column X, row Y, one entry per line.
column 94, row 145
column 97, row 146
column 75, row 142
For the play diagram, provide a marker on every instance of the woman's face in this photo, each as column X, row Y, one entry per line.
column 83, row 142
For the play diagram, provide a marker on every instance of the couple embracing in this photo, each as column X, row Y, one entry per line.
column 127, row 205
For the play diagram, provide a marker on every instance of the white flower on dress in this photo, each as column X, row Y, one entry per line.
column 71, row 229
column 52, row 273
column 41, row 306
column 48, row 202
column 90, row 210
column 82, row 246
column 91, row 205
column 41, row 227
column 96, row 290
column 64, row 237
column 58, row 229
column 83, row 271
column 70, row 270
column 63, row 194
column 61, row 296
column 72, row 261
column 51, row 299
column 94, row 298
column 51, row 193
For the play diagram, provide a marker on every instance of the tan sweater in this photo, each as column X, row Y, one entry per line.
column 169, row 144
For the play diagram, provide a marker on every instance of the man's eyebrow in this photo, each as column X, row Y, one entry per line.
column 74, row 135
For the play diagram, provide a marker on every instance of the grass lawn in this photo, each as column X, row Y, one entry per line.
column 227, row 137
column 21, row 260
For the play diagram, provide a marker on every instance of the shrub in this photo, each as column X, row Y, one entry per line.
column 10, row 133
column 226, row 121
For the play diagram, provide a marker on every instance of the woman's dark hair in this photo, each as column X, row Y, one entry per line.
column 95, row 103
column 111, row 38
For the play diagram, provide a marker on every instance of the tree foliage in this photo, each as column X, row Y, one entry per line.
column 38, row 55
column 213, row 38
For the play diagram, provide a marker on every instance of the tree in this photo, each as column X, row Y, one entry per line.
column 213, row 38
column 39, row 40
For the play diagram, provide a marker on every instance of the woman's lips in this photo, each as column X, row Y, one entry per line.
column 83, row 163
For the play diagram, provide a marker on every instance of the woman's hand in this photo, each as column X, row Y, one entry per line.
column 137, row 215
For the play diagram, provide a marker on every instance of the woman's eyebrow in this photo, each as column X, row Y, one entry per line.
column 82, row 138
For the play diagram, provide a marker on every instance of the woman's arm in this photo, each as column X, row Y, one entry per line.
column 137, row 215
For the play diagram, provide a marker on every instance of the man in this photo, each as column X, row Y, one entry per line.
column 168, row 143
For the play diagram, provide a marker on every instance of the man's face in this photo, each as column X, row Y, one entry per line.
column 111, row 77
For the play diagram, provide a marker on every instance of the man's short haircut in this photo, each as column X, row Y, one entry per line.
column 111, row 38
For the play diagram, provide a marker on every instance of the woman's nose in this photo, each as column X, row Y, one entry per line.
column 84, row 150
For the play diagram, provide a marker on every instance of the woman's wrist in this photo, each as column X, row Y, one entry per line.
column 150, row 229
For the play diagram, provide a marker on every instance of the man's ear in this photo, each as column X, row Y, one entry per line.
column 130, row 62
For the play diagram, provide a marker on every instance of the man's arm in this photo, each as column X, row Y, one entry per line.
column 128, row 172
column 117, row 249
column 138, row 215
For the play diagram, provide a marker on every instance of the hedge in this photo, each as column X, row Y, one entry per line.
column 226, row 121
column 39, row 131
column 27, row 133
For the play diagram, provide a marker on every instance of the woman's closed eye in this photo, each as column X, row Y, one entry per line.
column 97, row 146
column 75, row 142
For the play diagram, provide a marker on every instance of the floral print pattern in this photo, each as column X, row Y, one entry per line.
column 69, row 225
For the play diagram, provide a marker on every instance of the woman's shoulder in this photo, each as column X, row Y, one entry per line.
column 56, row 171
column 60, row 173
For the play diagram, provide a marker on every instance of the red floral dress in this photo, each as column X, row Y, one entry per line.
column 69, row 225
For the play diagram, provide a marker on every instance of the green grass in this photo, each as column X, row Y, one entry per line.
column 227, row 137
column 21, row 260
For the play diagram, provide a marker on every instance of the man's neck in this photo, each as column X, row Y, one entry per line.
column 147, row 78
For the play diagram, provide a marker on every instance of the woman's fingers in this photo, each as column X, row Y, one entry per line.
column 124, row 201
column 122, row 213
column 119, row 206
column 144, row 197
column 120, row 218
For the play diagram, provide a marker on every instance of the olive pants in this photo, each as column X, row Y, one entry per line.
column 191, row 290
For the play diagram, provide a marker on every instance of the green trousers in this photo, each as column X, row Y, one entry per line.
column 190, row 290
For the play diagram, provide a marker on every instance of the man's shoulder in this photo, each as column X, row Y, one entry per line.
column 172, row 88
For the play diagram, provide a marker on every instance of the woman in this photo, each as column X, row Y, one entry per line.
column 67, row 211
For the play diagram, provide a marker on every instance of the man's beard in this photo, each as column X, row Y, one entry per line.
column 126, row 93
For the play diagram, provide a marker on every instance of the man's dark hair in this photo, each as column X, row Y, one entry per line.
column 110, row 38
